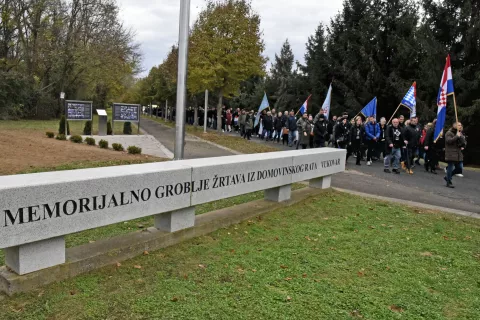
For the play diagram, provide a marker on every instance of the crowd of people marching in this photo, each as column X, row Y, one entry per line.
column 401, row 144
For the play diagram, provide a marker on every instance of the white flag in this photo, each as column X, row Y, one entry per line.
column 326, row 104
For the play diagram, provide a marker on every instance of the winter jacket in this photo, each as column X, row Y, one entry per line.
column 357, row 134
column 249, row 122
column 342, row 132
column 453, row 145
column 383, row 133
column 228, row 116
column 277, row 124
column 412, row 135
column 268, row 123
column 304, row 126
column 292, row 123
column 242, row 119
column 395, row 137
column 372, row 130
column 320, row 132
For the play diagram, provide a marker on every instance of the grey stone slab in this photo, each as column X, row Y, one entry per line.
column 175, row 220
column 321, row 183
column 319, row 162
column 236, row 175
column 35, row 194
column 279, row 194
column 36, row 256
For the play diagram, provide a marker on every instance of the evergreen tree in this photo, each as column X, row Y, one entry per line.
column 282, row 78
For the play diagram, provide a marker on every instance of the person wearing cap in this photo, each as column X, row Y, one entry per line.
column 320, row 131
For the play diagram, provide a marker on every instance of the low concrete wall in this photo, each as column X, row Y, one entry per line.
column 38, row 210
column 101, row 253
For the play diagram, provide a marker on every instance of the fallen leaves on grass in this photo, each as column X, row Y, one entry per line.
column 356, row 314
column 202, row 266
column 426, row 254
column 288, row 278
column 308, row 238
column 283, row 267
column 145, row 253
column 174, row 299
column 288, row 299
column 137, row 266
column 119, row 264
column 395, row 308
column 304, row 275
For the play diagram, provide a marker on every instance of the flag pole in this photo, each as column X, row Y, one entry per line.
column 394, row 114
column 455, row 105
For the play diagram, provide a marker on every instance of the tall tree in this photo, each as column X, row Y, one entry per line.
column 281, row 77
column 225, row 50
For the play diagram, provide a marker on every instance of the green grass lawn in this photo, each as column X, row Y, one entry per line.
column 76, row 127
column 335, row 256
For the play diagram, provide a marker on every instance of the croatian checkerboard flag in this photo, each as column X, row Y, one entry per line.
column 304, row 107
column 446, row 89
column 410, row 100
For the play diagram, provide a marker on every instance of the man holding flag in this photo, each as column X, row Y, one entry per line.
column 446, row 89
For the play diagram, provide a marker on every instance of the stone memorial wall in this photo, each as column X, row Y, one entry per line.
column 38, row 210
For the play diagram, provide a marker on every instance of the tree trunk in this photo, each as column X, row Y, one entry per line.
column 195, row 114
column 219, row 110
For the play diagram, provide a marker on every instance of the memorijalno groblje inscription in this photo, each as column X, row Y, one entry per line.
column 59, row 209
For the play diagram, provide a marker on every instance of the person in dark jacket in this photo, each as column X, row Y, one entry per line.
column 320, row 132
column 267, row 126
column 278, row 127
column 395, row 143
column 311, row 134
column 383, row 139
column 249, row 121
column 455, row 143
column 412, row 136
column 372, row 133
column 357, row 134
column 292, row 129
column 304, row 128
column 430, row 146
column 342, row 133
column 285, row 128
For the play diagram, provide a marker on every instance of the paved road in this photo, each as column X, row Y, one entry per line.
column 421, row 187
column 194, row 148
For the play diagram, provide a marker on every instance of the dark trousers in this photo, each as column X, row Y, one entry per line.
column 355, row 149
column 372, row 146
column 311, row 142
column 285, row 139
column 248, row 134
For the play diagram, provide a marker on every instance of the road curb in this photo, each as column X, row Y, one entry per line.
column 412, row 203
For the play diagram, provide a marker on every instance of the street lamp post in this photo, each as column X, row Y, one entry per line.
column 182, row 79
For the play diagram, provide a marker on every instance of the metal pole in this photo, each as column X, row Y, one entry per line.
column 182, row 78
column 205, row 113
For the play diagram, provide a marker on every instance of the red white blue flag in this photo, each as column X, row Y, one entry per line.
column 446, row 89
column 304, row 107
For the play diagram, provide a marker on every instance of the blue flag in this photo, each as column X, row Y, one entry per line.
column 410, row 100
column 370, row 109
column 262, row 107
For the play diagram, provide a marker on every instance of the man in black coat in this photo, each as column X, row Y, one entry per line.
column 395, row 143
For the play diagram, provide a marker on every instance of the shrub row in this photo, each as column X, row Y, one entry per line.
column 87, row 130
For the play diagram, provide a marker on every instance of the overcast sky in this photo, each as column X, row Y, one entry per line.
column 155, row 23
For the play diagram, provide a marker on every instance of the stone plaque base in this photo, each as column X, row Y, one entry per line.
column 175, row 220
column 35, row 256
column 321, row 183
column 279, row 194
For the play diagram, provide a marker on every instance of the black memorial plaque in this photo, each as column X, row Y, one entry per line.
column 79, row 110
column 126, row 112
